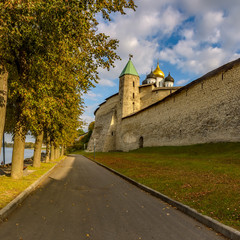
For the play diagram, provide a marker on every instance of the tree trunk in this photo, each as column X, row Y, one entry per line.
column 47, row 149
column 18, row 155
column 55, row 152
column 3, row 100
column 37, row 150
column 52, row 157
column 61, row 152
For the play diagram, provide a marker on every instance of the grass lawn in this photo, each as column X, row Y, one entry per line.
column 10, row 188
column 205, row 176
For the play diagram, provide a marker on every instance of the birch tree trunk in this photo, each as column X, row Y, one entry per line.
column 18, row 154
column 37, row 150
column 3, row 100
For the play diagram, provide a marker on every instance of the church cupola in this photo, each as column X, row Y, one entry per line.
column 159, row 76
column 169, row 81
column 158, row 72
column 151, row 78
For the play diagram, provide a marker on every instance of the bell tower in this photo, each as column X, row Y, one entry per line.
column 128, row 89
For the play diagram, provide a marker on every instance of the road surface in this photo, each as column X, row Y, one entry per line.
column 81, row 200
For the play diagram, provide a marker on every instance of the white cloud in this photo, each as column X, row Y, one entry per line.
column 170, row 19
column 87, row 120
column 88, row 115
column 92, row 96
column 141, row 33
column 182, row 82
column 107, row 82
column 208, row 40
column 138, row 33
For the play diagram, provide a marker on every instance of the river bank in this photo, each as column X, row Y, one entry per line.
column 28, row 153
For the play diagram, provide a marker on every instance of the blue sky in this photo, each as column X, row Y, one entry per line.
column 188, row 37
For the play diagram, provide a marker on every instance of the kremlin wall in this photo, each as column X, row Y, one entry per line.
column 158, row 114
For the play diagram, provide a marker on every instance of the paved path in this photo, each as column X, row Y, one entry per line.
column 81, row 200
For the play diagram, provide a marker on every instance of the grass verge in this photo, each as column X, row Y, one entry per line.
column 205, row 177
column 10, row 188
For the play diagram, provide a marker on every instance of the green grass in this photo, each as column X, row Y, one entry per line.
column 205, row 176
column 10, row 188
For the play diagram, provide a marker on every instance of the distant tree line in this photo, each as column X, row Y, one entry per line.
column 50, row 53
column 81, row 142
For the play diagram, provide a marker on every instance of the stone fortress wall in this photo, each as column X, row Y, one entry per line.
column 206, row 110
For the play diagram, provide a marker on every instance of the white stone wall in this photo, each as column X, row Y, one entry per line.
column 106, row 121
column 168, row 84
column 160, row 82
column 206, row 110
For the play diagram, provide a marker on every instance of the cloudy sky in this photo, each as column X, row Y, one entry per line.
column 188, row 37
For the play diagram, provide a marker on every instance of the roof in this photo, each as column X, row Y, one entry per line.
column 169, row 78
column 151, row 75
column 144, row 81
column 166, row 88
column 158, row 72
column 129, row 69
column 146, row 85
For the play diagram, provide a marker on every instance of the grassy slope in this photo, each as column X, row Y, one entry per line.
column 10, row 188
column 205, row 176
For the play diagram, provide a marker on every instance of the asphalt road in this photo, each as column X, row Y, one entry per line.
column 81, row 200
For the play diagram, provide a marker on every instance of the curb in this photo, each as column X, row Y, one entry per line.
column 225, row 230
column 10, row 207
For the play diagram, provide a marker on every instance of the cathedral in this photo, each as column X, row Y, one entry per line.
column 157, row 77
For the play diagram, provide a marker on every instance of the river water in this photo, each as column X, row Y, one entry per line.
column 8, row 154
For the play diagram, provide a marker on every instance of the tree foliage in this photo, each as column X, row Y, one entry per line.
column 52, row 50
column 83, row 140
column 46, row 43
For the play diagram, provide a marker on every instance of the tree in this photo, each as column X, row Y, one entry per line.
column 80, row 131
column 82, row 142
column 3, row 100
column 43, row 45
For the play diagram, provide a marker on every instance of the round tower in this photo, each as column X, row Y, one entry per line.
column 128, row 89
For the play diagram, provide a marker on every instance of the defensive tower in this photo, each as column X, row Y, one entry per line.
column 128, row 89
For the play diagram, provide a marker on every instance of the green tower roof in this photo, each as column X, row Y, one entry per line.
column 129, row 69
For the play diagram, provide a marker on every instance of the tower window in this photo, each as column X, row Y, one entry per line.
column 133, row 106
column 133, row 84
column 133, row 95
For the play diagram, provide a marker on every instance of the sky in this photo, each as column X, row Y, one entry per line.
column 188, row 37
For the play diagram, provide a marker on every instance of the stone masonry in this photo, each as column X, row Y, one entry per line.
column 205, row 110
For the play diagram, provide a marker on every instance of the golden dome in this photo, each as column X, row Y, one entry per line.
column 158, row 72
